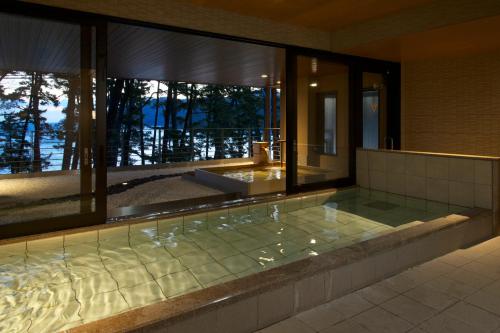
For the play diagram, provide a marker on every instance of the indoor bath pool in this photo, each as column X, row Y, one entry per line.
column 57, row 283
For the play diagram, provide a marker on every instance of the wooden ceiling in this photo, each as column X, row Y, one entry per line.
column 328, row 15
column 463, row 39
column 29, row 44
column 146, row 53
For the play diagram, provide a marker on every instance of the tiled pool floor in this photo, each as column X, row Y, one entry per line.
column 52, row 284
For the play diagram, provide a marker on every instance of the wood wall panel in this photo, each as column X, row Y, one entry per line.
column 452, row 105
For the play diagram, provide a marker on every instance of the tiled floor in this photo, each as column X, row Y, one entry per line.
column 459, row 292
column 52, row 284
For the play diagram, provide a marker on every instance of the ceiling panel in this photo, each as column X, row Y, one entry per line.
column 28, row 44
column 31, row 44
column 463, row 39
column 328, row 15
column 139, row 52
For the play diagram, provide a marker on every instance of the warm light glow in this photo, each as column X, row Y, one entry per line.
column 313, row 84
column 125, row 183
column 313, row 241
column 278, row 82
column 264, row 76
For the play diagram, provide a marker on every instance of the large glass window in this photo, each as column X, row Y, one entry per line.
column 46, row 103
column 190, row 118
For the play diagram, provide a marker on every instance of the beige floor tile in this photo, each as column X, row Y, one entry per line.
column 178, row 283
column 403, row 281
column 321, row 317
column 292, row 325
column 455, row 259
column 408, row 309
column 485, row 301
column 348, row 326
column 431, row 297
column 492, row 289
column 350, row 305
column 490, row 270
column 474, row 316
column 444, row 323
column 377, row 293
column 379, row 320
column 451, row 287
column 469, row 277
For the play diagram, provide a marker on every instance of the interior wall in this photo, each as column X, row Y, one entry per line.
column 452, row 105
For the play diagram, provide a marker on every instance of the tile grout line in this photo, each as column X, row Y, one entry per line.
column 71, row 280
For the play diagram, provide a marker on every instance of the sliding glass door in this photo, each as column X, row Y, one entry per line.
column 318, row 121
column 48, row 136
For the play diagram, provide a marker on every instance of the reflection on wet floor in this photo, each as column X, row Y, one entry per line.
column 52, row 284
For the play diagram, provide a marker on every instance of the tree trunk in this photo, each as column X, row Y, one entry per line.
column 76, row 155
column 113, row 126
column 129, row 119
column 175, row 135
column 166, row 117
column 37, row 158
column 141, row 135
column 188, row 118
column 156, row 122
column 69, row 123
column 20, row 153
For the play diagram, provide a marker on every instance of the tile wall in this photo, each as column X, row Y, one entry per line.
column 453, row 179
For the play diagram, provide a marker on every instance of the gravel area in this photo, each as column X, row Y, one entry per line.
column 26, row 190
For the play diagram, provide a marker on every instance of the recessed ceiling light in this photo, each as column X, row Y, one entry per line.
column 313, row 84
column 264, row 76
column 314, row 65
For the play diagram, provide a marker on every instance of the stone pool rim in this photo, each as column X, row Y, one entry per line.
column 187, row 306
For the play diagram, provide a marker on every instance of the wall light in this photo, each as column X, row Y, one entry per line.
column 313, row 84
column 264, row 76
column 278, row 82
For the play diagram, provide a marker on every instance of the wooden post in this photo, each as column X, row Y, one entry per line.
column 267, row 115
